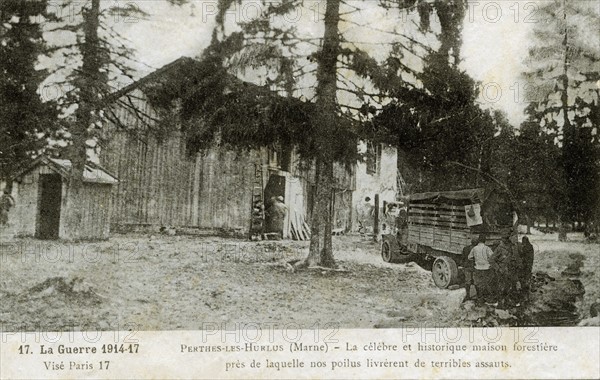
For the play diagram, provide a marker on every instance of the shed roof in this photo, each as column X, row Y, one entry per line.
column 93, row 172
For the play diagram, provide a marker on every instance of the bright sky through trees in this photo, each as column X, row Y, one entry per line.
column 495, row 39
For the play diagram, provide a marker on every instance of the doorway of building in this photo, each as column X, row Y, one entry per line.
column 50, row 193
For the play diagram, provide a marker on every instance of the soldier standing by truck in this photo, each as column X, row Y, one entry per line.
column 506, row 264
column 515, row 265
column 526, row 268
column 483, row 275
column 500, row 267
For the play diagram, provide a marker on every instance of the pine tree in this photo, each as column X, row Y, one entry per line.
column 537, row 160
column 92, row 68
column 563, row 69
column 445, row 139
column 25, row 121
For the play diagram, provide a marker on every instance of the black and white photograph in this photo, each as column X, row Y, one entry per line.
column 315, row 165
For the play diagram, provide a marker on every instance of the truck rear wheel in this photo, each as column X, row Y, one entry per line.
column 444, row 272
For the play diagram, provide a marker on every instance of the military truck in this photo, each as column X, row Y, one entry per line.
column 433, row 228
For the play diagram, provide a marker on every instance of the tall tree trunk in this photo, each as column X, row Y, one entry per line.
column 479, row 165
column 321, row 252
column 564, row 96
column 88, row 83
column 568, row 135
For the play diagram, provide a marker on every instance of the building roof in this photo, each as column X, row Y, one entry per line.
column 175, row 67
column 93, row 172
column 151, row 77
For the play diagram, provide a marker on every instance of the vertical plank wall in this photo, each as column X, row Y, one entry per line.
column 26, row 202
column 160, row 185
column 85, row 215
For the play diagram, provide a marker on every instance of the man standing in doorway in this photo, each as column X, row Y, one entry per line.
column 275, row 216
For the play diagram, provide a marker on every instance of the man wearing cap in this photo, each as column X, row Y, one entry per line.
column 482, row 275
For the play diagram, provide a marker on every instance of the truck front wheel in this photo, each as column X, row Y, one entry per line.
column 444, row 272
column 386, row 253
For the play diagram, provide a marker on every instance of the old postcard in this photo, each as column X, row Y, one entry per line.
column 299, row 189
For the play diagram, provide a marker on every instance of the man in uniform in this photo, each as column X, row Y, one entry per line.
column 526, row 268
column 506, row 264
column 515, row 266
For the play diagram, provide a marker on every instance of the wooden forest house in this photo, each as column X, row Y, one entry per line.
column 208, row 191
column 47, row 207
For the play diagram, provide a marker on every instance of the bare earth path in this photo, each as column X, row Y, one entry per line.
column 180, row 282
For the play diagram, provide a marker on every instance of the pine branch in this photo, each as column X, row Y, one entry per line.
column 140, row 115
column 117, row 122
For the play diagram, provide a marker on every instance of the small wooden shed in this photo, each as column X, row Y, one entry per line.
column 46, row 207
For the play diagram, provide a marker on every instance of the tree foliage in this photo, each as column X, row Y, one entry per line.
column 25, row 120
column 93, row 59
column 562, row 75
column 446, row 140
column 213, row 104
column 536, row 163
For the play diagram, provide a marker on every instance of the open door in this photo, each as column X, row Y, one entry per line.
column 275, row 187
column 50, row 193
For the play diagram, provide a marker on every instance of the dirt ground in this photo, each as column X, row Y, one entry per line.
column 163, row 282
